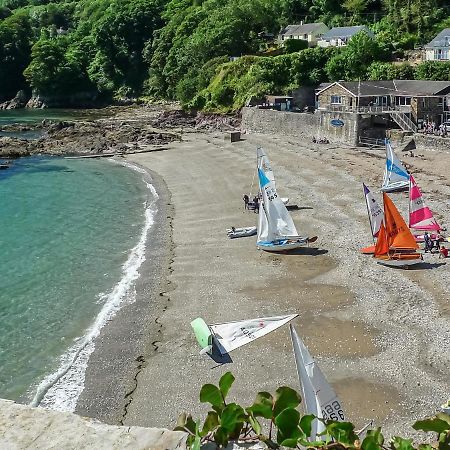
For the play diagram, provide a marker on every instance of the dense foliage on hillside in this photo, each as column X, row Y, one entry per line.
column 181, row 49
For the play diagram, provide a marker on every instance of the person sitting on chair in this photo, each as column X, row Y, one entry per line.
column 443, row 253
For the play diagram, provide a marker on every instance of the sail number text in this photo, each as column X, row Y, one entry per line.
column 333, row 411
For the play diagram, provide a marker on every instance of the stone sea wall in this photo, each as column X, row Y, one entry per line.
column 301, row 125
column 37, row 428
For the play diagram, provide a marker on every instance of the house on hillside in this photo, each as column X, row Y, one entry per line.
column 406, row 102
column 439, row 48
column 339, row 36
column 309, row 32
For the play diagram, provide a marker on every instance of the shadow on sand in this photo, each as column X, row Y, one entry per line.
column 426, row 265
column 297, row 208
column 311, row 251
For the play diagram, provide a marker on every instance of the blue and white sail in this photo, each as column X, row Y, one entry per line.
column 319, row 397
column 276, row 229
column 396, row 177
column 262, row 162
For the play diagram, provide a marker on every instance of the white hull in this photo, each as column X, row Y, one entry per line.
column 397, row 186
column 399, row 262
column 283, row 245
column 241, row 232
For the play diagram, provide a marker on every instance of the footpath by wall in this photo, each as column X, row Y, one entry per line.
column 24, row 427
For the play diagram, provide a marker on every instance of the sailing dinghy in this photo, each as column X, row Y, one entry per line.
column 276, row 229
column 319, row 397
column 262, row 161
column 396, row 177
column 420, row 216
column 219, row 340
column 396, row 245
column 234, row 233
column 376, row 215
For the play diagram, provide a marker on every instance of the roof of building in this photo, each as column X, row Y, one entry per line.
column 345, row 32
column 394, row 87
column 305, row 28
column 441, row 40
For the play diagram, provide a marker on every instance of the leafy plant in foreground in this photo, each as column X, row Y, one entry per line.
column 286, row 427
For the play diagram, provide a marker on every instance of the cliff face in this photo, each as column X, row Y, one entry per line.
column 24, row 427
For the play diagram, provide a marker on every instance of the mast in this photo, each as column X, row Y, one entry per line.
column 368, row 213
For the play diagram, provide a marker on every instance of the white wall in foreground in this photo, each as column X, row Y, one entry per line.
column 24, row 427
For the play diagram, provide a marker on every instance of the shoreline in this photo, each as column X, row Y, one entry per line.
column 131, row 336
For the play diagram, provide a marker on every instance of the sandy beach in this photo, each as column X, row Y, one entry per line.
column 380, row 335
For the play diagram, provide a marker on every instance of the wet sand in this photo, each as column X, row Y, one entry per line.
column 380, row 335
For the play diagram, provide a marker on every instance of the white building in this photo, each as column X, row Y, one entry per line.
column 339, row 36
column 310, row 32
column 439, row 48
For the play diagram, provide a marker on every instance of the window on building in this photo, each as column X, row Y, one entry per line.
column 440, row 101
column 403, row 101
column 441, row 54
column 336, row 100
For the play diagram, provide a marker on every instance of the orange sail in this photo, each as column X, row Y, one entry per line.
column 397, row 232
column 382, row 247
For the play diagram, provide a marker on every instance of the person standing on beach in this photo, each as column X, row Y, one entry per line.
column 256, row 203
column 246, row 200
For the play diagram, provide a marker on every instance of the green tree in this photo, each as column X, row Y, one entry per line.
column 15, row 49
column 353, row 60
column 433, row 70
column 388, row 71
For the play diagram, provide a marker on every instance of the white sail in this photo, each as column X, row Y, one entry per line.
column 264, row 164
column 395, row 174
column 232, row 335
column 319, row 397
column 274, row 212
column 374, row 210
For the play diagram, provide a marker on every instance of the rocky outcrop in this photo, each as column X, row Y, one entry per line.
column 25, row 427
column 77, row 100
column 19, row 101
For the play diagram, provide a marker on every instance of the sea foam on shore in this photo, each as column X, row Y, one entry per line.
column 60, row 390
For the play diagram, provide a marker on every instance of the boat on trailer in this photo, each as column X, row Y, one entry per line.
column 396, row 177
column 276, row 229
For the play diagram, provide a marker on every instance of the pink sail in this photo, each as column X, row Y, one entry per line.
column 420, row 216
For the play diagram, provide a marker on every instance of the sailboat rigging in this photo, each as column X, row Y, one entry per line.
column 396, row 177
column 396, row 245
column 420, row 216
column 276, row 229
column 375, row 214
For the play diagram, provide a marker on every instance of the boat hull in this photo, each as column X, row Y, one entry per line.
column 241, row 232
column 398, row 186
column 400, row 262
column 370, row 250
column 284, row 245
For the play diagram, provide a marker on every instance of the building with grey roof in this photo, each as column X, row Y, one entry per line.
column 439, row 48
column 418, row 100
column 339, row 36
column 309, row 32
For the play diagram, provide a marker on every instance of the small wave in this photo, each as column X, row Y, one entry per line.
column 61, row 389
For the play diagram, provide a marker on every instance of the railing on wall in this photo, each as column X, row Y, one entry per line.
column 374, row 109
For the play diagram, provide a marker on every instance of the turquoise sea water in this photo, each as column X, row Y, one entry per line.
column 67, row 228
